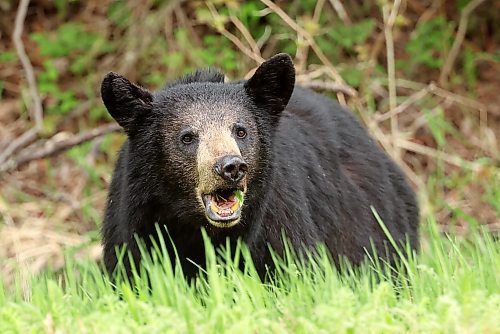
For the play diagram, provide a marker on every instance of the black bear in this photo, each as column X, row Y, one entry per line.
column 251, row 159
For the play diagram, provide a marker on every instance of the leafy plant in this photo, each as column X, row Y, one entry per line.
column 80, row 47
column 347, row 36
column 119, row 13
column 438, row 125
column 352, row 76
column 469, row 68
column 63, row 101
column 217, row 52
column 429, row 44
column 73, row 41
column 68, row 38
column 7, row 56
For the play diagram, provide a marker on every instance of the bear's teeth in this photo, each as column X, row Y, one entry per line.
column 214, row 207
column 225, row 212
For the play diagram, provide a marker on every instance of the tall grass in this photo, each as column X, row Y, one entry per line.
column 451, row 286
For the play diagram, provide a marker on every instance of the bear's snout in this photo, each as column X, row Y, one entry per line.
column 231, row 168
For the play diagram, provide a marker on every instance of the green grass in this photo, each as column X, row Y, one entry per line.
column 451, row 286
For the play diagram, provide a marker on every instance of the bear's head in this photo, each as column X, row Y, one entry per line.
column 202, row 146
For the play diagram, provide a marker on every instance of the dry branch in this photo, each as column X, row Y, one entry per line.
column 248, row 36
column 299, row 30
column 251, row 53
column 327, row 85
column 451, row 159
column 403, row 106
column 458, row 98
column 462, row 29
column 341, row 12
column 37, row 113
column 389, row 21
column 55, row 145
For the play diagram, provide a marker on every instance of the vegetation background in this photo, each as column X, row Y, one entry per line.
column 423, row 76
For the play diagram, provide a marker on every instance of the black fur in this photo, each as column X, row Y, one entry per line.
column 316, row 170
column 208, row 75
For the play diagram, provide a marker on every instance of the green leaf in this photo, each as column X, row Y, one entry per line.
column 438, row 125
column 429, row 43
column 62, row 42
column 349, row 36
column 352, row 76
column 469, row 68
column 119, row 13
column 240, row 196
column 7, row 56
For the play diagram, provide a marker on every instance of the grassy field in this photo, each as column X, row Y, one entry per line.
column 451, row 286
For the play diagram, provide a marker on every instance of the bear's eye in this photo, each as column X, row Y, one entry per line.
column 187, row 138
column 241, row 133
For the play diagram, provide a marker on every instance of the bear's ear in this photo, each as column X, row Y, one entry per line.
column 272, row 84
column 124, row 100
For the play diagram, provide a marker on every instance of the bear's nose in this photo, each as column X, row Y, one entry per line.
column 231, row 168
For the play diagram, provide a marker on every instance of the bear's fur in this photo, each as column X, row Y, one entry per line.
column 313, row 171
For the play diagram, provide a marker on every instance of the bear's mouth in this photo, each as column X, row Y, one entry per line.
column 223, row 206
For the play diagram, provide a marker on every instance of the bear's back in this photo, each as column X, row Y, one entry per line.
column 328, row 173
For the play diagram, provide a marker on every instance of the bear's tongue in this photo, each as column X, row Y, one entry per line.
column 224, row 203
column 224, row 200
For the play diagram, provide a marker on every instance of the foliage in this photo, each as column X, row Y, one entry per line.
column 352, row 35
column 428, row 44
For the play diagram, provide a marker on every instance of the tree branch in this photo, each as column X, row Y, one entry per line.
column 462, row 29
column 317, row 50
column 327, row 85
column 389, row 21
column 37, row 112
column 55, row 145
